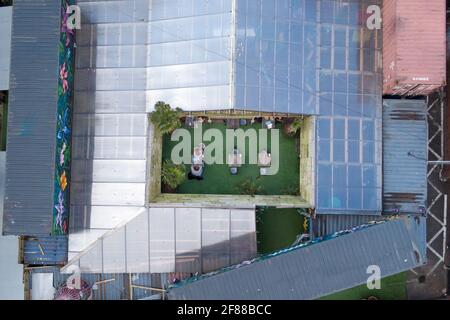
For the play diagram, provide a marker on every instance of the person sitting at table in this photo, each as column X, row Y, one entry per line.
column 198, row 156
column 196, row 172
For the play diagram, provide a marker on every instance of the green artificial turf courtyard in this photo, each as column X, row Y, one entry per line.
column 218, row 179
column 277, row 228
column 392, row 288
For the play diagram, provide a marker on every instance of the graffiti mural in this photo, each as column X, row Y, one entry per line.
column 64, row 124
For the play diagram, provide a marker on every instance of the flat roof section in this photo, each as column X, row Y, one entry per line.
column 171, row 239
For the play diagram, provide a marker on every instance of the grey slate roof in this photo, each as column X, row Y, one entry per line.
column 405, row 141
column 318, row 269
column 30, row 158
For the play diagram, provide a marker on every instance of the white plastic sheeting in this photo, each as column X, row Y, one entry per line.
column 110, row 121
column 131, row 54
column 178, row 51
column 161, row 240
column 42, row 286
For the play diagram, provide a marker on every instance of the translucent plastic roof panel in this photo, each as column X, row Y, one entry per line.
column 318, row 57
column 188, row 237
column 162, row 240
column 276, row 55
column 242, row 237
column 137, row 244
column 110, row 123
column 349, row 139
column 189, row 53
column 215, row 239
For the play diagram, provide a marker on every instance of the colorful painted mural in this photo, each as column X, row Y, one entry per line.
column 64, row 124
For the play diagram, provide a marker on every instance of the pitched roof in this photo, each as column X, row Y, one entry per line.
column 318, row 269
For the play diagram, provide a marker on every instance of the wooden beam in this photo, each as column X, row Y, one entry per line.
column 104, row 281
column 41, row 249
column 148, row 288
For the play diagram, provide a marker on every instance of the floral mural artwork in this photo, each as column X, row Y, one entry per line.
column 63, row 76
column 63, row 181
column 69, row 33
column 64, row 124
column 62, row 157
column 60, row 211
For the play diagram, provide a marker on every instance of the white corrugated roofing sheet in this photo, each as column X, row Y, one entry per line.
column 162, row 240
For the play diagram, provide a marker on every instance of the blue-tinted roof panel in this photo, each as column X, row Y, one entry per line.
column 350, row 100
column 275, row 62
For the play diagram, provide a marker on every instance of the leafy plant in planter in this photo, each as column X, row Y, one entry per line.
column 172, row 175
column 249, row 187
column 291, row 126
column 165, row 118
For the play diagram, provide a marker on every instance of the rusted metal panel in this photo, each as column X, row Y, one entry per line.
column 414, row 46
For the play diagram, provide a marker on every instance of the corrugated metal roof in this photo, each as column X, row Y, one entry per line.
column 51, row 250
column 405, row 154
column 30, row 159
column 111, row 286
column 5, row 46
column 326, row 224
column 319, row 269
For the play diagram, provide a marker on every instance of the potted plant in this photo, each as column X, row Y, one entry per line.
column 172, row 176
column 165, row 118
column 291, row 126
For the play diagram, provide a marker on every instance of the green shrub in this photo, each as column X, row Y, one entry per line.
column 165, row 118
column 291, row 126
column 173, row 175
